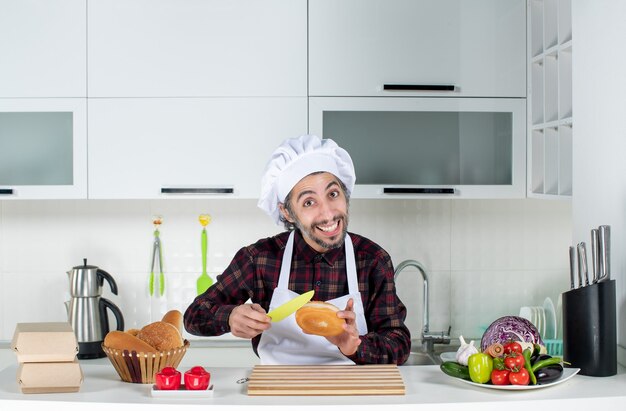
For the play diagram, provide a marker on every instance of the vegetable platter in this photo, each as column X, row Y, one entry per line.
column 511, row 357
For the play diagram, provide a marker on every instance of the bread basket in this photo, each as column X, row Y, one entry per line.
column 140, row 367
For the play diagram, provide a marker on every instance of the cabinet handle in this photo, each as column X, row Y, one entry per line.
column 6, row 191
column 398, row 190
column 419, row 87
column 206, row 190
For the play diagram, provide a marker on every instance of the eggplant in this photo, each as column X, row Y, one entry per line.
column 538, row 357
column 549, row 374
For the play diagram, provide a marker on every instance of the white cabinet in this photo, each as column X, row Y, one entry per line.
column 407, row 147
column 43, row 148
column 43, row 48
column 356, row 47
column 197, row 48
column 550, row 98
column 173, row 147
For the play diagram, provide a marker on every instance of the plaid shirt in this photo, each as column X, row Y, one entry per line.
column 253, row 274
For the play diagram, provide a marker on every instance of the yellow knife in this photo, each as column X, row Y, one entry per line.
column 285, row 310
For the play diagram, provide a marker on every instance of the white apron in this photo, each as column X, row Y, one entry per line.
column 285, row 342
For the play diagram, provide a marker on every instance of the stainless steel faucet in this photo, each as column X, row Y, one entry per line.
column 429, row 339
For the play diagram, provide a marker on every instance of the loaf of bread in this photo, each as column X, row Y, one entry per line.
column 320, row 318
column 175, row 318
column 121, row 340
column 161, row 335
column 133, row 331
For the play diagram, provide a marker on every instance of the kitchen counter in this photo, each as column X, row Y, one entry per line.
column 425, row 385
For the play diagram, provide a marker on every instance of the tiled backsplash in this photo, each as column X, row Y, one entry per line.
column 485, row 258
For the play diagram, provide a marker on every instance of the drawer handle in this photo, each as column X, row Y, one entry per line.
column 6, row 191
column 419, row 87
column 399, row 190
column 205, row 190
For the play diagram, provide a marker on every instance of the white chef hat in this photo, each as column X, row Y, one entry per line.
column 295, row 159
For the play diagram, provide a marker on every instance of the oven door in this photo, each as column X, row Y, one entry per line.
column 428, row 147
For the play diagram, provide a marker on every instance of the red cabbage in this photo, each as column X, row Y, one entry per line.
column 510, row 328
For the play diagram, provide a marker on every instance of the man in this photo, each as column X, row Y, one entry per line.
column 307, row 186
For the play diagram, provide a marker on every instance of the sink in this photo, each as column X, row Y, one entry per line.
column 417, row 357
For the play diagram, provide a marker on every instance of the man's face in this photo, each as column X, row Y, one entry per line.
column 320, row 211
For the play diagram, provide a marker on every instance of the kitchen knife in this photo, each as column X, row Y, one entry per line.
column 285, row 310
column 604, row 242
column 583, row 274
column 595, row 256
column 572, row 267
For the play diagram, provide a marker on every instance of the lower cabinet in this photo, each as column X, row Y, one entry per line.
column 152, row 148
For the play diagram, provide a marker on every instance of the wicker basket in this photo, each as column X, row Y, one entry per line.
column 140, row 367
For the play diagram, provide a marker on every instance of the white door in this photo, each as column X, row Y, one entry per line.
column 197, row 48
column 470, row 48
column 43, row 148
column 43, row 48
column 177, row 148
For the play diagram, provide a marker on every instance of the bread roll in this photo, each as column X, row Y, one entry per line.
column 175, row 318
column 161, row 335
column 133, row 331
column 320, row 318
column 121, row 340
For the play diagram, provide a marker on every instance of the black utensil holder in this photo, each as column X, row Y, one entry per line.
column 590, row 329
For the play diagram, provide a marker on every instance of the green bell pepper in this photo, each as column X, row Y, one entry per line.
column 480, row 366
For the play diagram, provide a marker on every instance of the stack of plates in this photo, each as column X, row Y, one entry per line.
column 543, row 318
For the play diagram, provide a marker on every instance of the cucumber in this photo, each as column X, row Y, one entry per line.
column 454, row 369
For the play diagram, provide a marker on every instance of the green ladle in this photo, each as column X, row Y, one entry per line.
column 204, row 281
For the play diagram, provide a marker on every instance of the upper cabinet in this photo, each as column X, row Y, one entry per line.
column 197, row 48
column 550, row 148
column 181, row 147
column 43, row 148
column 420, row 48
column 43, row 48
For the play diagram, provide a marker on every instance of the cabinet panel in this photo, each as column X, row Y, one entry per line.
column 163, row 48
column 357, row 46
column 43, row 48
column 137, row 147
column 43, row 148
column 428, row 147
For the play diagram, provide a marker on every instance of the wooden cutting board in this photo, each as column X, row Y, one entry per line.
column 326, row 380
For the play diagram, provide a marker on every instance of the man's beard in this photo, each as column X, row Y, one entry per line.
column 309, row 232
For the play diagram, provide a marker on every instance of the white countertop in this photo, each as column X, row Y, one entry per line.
column 425, row 385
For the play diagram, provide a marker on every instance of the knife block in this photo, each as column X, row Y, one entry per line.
column 590, row 329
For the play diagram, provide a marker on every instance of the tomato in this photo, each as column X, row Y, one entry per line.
column 514, row 361
column 520, row 377
column 167, row 379
column 500, row 377
column 197, row 378
column 480, row 366
column 513, row 346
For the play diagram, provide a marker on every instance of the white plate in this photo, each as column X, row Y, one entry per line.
column 567, row 374
column 447, row 356
column 548, row 307
column 181, row 392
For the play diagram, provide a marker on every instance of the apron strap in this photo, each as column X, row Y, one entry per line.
column 285, row 267
column 353, row 283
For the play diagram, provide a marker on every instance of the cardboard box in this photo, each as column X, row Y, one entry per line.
column 44, row 342
column 49, row 377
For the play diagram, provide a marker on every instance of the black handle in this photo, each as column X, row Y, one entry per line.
column 6, row 191
column 104, row 319
column 419, row 87
column 400, row 190
column 208, row 190
column 103, row 275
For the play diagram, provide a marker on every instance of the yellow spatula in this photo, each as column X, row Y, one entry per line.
column 285, row 310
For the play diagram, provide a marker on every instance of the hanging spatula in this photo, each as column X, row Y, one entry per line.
column 204, row 281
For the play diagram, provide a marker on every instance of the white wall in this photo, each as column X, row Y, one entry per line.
column 599, row 106
column 486, row 258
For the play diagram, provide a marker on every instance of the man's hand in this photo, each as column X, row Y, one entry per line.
column 248, row 320
column 349, row 340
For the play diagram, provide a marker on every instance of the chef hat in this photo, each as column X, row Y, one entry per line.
column 295, row 159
